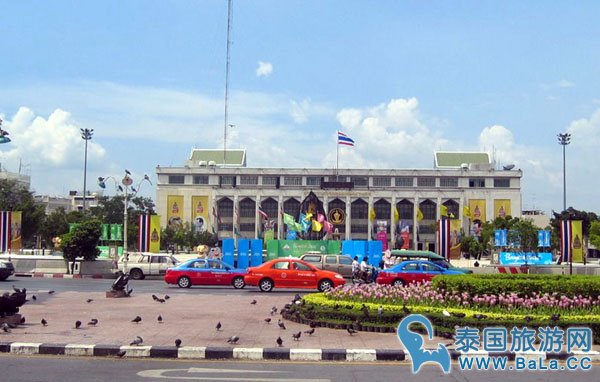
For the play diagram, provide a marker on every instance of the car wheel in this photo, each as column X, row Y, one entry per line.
column 136, row 274
column 238, row 283
column 325, row 285
column 265, row 285
column 184, row 282
column 398, row 283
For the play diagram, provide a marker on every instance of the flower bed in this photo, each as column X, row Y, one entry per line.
column 381, row 307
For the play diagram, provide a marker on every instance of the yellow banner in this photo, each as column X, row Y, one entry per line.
column 200, row 213
column 175, row 210
column 501, row 208
column 577, row 241
column 15, row 231
column 455, row 238
column 477, row 208
column 155, row 233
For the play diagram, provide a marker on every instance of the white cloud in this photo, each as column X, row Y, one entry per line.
column 561, row 84
column 264, row 69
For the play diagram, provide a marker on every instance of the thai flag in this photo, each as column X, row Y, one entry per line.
column 144, row 233
column 343, row 139
column 5, row 224
column 444, row 237
column 566, row 235
column 262, row 213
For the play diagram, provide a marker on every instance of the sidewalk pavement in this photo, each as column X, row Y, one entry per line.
column 193, row 320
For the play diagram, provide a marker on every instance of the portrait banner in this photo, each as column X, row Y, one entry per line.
column 175, row 210
column 200, row 213
column 502, row 208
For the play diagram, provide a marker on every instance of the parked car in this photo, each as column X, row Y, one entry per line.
column 6, row 269
column 291, row 273
column 142, row 264
column 403, row 255
column 341, row 264
column 205, row 272
column 413, row 271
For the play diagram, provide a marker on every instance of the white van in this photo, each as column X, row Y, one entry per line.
column 142, row 264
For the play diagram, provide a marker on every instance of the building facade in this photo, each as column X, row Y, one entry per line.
column 225, row 196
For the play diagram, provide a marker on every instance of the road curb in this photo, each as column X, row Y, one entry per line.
column 219, row 353
column 62, row 275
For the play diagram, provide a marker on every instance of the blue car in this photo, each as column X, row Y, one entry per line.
column 413, row 271
column 205, row 272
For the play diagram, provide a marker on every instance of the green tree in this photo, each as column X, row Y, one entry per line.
column 595, row 233
column 82, row 241
column 16, row 197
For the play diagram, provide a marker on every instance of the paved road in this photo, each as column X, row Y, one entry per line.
column 69, row 369
column 139, row 286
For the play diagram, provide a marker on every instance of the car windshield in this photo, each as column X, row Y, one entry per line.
column 442, row 263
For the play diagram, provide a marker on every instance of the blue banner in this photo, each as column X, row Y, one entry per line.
column 500, row 238
column 543, row 238
column 525, row 258
column 228, row 250
column 243, row 259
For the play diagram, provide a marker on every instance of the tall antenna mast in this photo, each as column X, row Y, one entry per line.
column 229, row 17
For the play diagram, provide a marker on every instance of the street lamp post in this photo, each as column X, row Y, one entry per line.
column 86, row 135
column 564, row 139
column 127, row 183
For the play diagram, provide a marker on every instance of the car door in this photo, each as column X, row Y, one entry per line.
column 199, row 273
column 429, row 271
column 303, row 276
column 411, row 272
column 217, row 275
column 282, row 274
column 330, row 263
column 345, row 266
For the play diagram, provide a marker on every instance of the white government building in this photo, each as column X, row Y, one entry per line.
column 215, row 188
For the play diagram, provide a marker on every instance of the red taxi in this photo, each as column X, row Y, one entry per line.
column 291, row 273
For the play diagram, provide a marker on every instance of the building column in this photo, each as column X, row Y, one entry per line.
column 257, row 219
column 280, row 217
column 235, row 215
column 415, row 222
column 348, row 233
column 369, row 222
column 393, row 223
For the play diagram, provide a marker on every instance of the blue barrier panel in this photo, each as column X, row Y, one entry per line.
column 256, row 248
column 228, row 250
column 360, row 249
column 375, row 252
column 243, row 253
column 348, row 248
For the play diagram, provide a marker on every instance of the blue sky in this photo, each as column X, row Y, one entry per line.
column 403, row 78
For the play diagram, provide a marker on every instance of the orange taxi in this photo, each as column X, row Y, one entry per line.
column 291, row 273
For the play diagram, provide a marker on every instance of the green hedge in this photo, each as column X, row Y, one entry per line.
column 523, row 284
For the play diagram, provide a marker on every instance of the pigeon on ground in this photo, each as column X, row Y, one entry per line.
column 167, row 297
column 155, row 297
column 5, row 327
column 268, row 320
column 458, row 314
column 44, row 322
column 128, row 292
column 93, row 322
column 555, row 317
column 138, row 341
column 297, row 336
column 380, row 311
column 528, row 318
column 233, row 340
column 446, row 313
column 121, row 353
column 22, row 320
column 310, row 332
column 279, row 341
column 50, row 292
column 351, row 331
column 312, row 325
column 253, row 302
column 16, row 289
column 479, row 316
column 77, row 324
column 137, row 319
column 89, row 300
column 273, row 310
column 159, row 319
column 281, row 325
column 33, row 297
column 161, row 300
column 219, row 326
column 365, row 310
column 177, row 342
column 405, row 309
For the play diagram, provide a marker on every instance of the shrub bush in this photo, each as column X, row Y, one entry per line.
column 522, row 284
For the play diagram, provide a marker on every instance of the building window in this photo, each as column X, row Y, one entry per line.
column 269, row 180
column 293, row 180
column 405, row 210
column 404, row 181
column 501, row 182
column 477, row 183
column 448, row 182
column 429, row 210
column 426, row 182
column 249, row 179
column 313, row 180
column 382, row 181
column 360, row 181
column 200, row 179
column 247, row 208
column 226, row 180
column 176, row 179
column 359, row 209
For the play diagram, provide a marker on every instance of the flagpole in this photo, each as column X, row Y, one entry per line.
column 337, row 157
